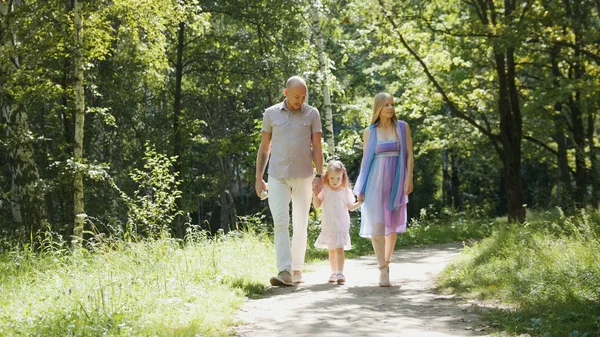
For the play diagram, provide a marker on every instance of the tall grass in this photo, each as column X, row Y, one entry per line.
column 151, row 288
column 546, row 269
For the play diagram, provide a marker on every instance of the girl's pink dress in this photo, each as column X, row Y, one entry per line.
column 335, row 225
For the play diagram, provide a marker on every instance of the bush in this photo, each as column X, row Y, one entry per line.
column 546, row 269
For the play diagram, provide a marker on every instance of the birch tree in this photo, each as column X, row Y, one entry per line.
column 315, row 8
column 25, row 197
column 79, row 123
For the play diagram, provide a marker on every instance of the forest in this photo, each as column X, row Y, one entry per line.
column 143, row 117
column 129, row 132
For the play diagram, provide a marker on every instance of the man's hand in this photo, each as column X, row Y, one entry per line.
column 317, row 185
column 260, row 186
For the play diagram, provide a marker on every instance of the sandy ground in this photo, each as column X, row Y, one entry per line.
column 411, row 307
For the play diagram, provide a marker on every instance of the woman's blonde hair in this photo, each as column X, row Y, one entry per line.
column 378, row 102
column 336, row 166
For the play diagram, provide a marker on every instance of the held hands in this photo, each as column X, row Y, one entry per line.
column 317, row 185
column 356, row 205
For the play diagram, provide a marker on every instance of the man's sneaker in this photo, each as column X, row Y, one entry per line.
column 284, row 278
column 297, row 276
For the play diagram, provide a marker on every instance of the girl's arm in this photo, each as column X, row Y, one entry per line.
column 316, row 201
column 351, row 202
column 354, row 206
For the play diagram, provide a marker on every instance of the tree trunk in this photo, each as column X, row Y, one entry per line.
column 228, row 210
column 457, row 202
column 563, row 190
column 574, row 11
column 79, row 126
column 451, row 180
column 510, row 132
column 592, row 158
column 26, row 198
column 177, row 151
column 232, row 211
column 225, row 210
column 13, row 162
column 446, row 179
column 579, row 137
column 324, row 69
column 564, row 194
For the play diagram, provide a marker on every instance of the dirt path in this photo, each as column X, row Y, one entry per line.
column 360, row 308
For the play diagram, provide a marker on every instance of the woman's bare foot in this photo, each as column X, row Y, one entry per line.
column 384, row 276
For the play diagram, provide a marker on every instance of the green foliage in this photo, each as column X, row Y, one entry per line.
column 444, row 226
column 546, row 269
column 237, row 55
column 156, row 287
column 152, row 207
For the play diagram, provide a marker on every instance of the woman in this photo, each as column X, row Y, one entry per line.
column 385, row 181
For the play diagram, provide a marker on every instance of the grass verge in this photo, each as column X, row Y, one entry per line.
column 547, row 270
column 151, row 288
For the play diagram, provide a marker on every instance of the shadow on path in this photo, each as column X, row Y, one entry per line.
column 360, row 308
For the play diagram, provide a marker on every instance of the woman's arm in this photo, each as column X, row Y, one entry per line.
column 361, row 197
column 408, row 183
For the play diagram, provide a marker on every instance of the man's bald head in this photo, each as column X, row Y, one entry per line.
column 295, row 81
column 295, row 92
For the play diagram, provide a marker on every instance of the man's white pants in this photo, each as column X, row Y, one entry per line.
column 281, row 192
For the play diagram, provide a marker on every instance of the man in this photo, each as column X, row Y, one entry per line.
column 291, row 135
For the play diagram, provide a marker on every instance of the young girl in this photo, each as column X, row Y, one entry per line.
column 337, row 198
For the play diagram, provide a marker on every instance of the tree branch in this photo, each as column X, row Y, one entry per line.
column 540, row 144
column 446, row 31
column 494, row 138
column 527, row 7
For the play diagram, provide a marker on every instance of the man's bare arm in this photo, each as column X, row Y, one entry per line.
column 262, row 158
column 317, row 148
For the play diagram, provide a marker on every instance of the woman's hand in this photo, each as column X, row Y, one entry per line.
column 408, row 185
column 361, row 198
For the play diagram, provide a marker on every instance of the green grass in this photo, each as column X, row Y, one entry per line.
column 151, row 288
column 159, row 287
column 547, row 270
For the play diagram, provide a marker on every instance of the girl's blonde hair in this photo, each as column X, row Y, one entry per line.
column 378, row 102
column 336, row 166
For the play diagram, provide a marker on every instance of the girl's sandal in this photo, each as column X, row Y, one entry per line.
column 384, row 276
column 333, row 278
column 341, row 279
